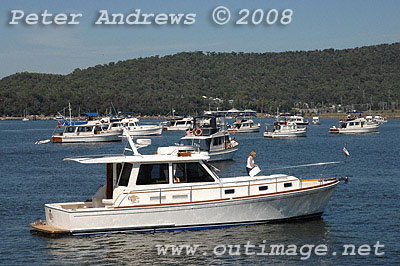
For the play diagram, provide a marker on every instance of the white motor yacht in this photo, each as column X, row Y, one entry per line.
column 173, row 192
column 244, row 126
column 83, row 132
column 134, row 129
column 379, row 119
column 208, row 139
column 285, row 130
column 179, row 124
column 354, row 126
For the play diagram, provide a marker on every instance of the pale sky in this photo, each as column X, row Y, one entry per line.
column 59, row 49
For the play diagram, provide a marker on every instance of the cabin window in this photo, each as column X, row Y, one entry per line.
column 357, row 123
column 287, row 184
column 218, row 141
column 125, row 173
column 180, row 123
column 203, row 144
column 351, row 123
column 229, row 191
column 70, row 129
column 150, row 174
column 262, row 188
column 190, row 173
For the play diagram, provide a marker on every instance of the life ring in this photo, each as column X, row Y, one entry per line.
column 59, row 124
column 198, row 132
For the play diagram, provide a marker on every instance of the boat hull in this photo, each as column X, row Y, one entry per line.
column 222, row 155
column 146, row 131
column 109, row 137
column 245, row 130
column 361, row 130
column 206, row 214
column 294, row 134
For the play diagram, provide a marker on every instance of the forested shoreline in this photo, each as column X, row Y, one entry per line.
column 190, row 82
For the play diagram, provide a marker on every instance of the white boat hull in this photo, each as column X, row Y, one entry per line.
column 245, row 130
column 145, row 131
column 222, row 155
column 103, row 137
column 174, row 128
column 206, row 214
column 360, row 130
column 291, row 134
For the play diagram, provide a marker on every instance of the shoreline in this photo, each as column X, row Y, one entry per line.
column 389, row 114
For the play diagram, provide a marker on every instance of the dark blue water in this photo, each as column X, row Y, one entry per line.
column 364, row 211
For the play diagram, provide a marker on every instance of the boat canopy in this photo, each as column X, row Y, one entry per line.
column 138, row 159
column 74, row 123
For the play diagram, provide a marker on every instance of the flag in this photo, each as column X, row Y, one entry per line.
column 346, row 152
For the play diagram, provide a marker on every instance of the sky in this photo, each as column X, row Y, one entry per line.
column 59, row 49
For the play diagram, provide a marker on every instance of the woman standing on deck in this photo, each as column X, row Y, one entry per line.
column 250, row 162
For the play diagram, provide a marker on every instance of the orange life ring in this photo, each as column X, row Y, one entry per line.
column 198, row 132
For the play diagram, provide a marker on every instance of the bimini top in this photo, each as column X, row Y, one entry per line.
column 154, row 158
column 74, row 123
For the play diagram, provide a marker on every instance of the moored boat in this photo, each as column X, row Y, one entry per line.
column 182, row 124
column 208, row 138
column 134, row 128
column 171, row 192
column 83, row 132
column 354, row 126
column 244, row 126
column 285, row 130
column 315, row 120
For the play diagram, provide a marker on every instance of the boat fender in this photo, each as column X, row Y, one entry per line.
column 198, row 132
column 59, row 124
column 266, row 128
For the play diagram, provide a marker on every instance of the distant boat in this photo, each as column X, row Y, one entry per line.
column 315, row 120
column 286, row 130
column 133, row 127
column 25, row 116
column 354, row 126
column 179, row 124
column 244, row 126
column 379, row 119
column 208, row 139
column 84, row 132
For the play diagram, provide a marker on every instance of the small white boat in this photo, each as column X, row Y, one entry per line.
column 83, row 132
column 288, row 117
column 25, row 119
column 379, row 119
column 134, row 128
column 207, row 139
column 315, row 120
column 354, row 126
column 179, row 124
column 286, row 130
column 244, row 126
column 174, row 192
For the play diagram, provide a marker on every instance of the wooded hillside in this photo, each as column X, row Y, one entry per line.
column 258, row 81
